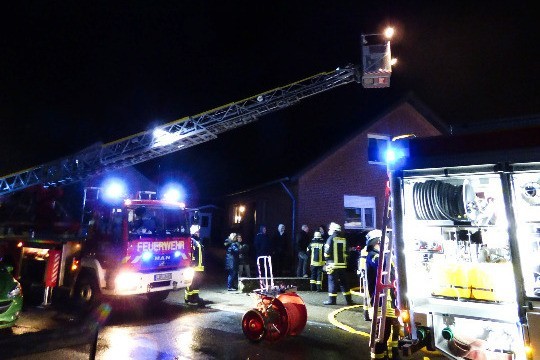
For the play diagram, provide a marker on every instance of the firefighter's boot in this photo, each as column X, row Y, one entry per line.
column 349, row 300
column 319, row 288
column 366, row 314
column 313, row 287
column 379, row 351
column 331, row 301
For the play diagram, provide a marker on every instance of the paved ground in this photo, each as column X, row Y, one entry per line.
column 350, row 316
column 343, row 317
column 341, row 321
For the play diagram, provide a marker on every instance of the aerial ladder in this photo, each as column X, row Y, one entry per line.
column 197, row 129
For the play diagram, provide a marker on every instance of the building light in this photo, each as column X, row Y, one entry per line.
column 239, row 211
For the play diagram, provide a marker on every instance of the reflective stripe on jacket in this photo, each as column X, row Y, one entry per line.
column 316, row 253
column 335, row 251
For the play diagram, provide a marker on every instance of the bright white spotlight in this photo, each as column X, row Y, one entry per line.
column 163, row 138
column 389, row 32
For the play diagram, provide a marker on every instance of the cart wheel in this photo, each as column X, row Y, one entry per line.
column 253, row 325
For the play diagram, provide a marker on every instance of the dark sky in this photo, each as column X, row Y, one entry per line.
column 75, row 73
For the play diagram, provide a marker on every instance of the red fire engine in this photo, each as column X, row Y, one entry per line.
column 123, row 246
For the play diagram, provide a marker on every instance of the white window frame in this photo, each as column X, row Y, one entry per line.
column 377, row 137
column 362, row 203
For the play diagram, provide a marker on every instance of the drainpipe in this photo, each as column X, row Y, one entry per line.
column 293, row 220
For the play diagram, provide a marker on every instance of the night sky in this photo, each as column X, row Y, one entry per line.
column 76, row 73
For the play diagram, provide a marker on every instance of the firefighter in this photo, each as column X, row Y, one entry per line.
column 315, row 252
column 335, row 254
column 192, row 291
column 388, row 348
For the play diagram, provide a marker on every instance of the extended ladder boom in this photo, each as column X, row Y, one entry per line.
column 176, row 135
column 194, row 130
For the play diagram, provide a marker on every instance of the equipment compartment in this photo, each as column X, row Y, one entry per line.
column 456, row 239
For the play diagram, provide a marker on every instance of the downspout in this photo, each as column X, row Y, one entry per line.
column 293, row 220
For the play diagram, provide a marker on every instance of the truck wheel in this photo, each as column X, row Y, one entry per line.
column 87, row 293
column 158, row 296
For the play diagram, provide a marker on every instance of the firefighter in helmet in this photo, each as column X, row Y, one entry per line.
column 315, row 251
column 388, row 348
column 192, row 291
column 335, row 254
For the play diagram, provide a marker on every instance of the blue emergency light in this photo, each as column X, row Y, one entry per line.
column 398, row 148
column 147, row 255
column 114, row 189
column 173, row 193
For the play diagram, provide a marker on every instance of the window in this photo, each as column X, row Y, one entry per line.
column 205, row 221
column 377, row 145
column 359, row 212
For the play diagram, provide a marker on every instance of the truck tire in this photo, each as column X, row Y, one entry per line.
column 158, row 296
column 87, row 293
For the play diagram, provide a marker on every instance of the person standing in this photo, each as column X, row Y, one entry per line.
column 302, row 243
column 231, row 261
column 335, row 254
column 262, row 243
column 279, row 244
column 191, row 295
column 373, row 239
column 392, row 326
column 315, row 251
column 324, row 233
column 243, row 258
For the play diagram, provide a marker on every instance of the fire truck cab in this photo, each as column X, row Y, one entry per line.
column 466, row 243
column 133, row 246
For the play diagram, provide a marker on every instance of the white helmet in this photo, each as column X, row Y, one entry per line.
column 194, row 229
column 334, row 227
column 372, row 235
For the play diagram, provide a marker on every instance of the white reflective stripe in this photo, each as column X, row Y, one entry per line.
column 136, row 260
column 184, row 256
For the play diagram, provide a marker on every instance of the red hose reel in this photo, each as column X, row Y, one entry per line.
column 279, row 311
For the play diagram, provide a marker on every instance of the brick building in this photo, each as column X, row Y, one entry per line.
column 346, row 185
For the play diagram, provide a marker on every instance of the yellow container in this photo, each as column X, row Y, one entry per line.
column 452, row 280
column 492, row 281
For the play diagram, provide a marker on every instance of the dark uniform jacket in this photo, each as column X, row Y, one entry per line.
column 196, row 253
column 315, row 250
column 335, row 251
column 232, row 254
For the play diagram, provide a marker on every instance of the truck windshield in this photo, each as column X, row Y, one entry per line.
column 155, row 221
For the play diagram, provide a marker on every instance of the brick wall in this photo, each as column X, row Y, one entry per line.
column 347, row 171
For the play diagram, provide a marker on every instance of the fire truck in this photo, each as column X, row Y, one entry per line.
column 109, row 254
column 465, row 221
column 124, row 245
